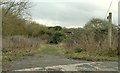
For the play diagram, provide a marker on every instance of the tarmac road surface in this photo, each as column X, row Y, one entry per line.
column 58, row 63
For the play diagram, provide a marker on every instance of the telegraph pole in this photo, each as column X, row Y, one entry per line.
column 110, row 30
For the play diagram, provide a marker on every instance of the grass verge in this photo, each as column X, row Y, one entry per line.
column 51, row 50
column 10, row 56
column 60, row 51
column 56, row 50
column 89, row 57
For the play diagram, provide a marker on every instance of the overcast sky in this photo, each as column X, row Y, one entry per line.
column 119, row 13
column 71, row 13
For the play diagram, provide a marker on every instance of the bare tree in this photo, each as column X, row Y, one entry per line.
column 17, row 7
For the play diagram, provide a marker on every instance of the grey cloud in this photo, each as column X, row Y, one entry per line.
column 66, row 14
column 119, row 13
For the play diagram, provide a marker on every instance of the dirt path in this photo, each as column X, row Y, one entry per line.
column 58, row 63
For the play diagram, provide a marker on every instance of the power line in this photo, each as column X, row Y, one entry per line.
column 108, row 9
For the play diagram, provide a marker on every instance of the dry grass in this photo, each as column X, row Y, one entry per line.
column 18, row 46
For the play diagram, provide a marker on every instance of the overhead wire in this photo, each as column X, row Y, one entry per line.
column 108, row 9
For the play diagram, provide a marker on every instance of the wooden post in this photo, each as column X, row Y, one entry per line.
column 110, row 30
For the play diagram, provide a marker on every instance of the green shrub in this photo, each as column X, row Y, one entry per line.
column 78, row 50
column 109, row 52
column 56, row 38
